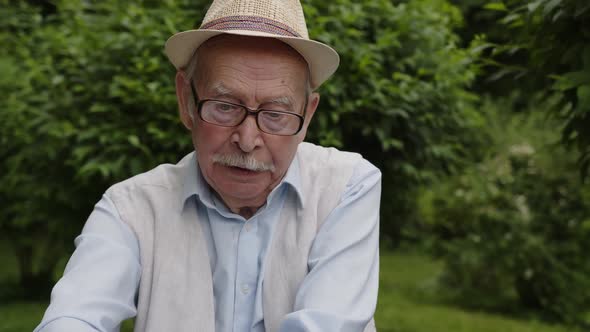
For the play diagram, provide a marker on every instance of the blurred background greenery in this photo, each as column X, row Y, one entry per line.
column 476, row 111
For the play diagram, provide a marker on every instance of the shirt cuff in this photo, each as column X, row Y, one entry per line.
column 66, row 324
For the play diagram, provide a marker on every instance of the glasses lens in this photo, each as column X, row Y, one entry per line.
column 279, row 123
column 220, row 113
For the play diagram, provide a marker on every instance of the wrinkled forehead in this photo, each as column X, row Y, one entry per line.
column 250, row 44
column 231, row 48
column 226, row 60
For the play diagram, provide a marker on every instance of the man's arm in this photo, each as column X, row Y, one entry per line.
column 340, row 291
column 97, row 290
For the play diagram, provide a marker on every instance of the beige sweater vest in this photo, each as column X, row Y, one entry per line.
column 176, row 289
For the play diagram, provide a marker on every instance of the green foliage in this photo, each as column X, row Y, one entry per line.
column 516, row 225
column 87, row 99
column 399, row 96
column 545, row 44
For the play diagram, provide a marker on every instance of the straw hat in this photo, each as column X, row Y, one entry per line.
column 279, row 19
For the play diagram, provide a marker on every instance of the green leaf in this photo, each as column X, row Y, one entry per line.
column 551, row 5
column 499, row 6
column 534, row 5
column 134, row 140
column 583, row 94
column 586, row 58
column 572, row 80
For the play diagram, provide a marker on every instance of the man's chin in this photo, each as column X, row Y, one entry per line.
column 243, row 188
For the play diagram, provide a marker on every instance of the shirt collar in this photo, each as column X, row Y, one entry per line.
column 293, row 179
column 196, row 185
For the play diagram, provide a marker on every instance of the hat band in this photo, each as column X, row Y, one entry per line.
column 253, row 23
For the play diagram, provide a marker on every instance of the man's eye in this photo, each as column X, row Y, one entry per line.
column 274, row 116
column 226, row 107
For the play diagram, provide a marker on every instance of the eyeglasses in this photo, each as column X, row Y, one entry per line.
column 225, row 114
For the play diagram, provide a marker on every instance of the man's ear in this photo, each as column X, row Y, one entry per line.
column 312, row 105
column 182, row 95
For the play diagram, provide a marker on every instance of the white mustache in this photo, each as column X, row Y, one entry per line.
column 246, row 161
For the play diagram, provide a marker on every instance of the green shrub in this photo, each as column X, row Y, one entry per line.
column 545, row 45
column 400, row 96
column 518, row 224
column 87, row 99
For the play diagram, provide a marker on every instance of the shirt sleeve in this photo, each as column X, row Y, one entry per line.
column 340, row 291
column 97, row 290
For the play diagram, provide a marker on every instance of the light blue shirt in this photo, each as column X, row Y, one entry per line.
column 100, row 282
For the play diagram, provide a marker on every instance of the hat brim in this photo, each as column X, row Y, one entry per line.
column 321, row 59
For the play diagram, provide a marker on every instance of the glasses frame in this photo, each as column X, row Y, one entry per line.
column 249, row 111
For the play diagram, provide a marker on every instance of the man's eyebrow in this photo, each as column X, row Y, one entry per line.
column 220, row 90
column 282, row 101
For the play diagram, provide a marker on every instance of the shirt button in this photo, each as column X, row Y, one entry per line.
column 245, row 289
column 248, row 226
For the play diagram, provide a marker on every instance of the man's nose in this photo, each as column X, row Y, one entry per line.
column 247, row 135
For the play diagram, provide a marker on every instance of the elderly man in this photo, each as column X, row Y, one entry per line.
column 255, row 230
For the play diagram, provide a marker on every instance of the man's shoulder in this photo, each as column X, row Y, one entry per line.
column 318, row 158
column 323, row 168
column 163, row 176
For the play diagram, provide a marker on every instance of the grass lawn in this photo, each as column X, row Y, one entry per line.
column 407, row 303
